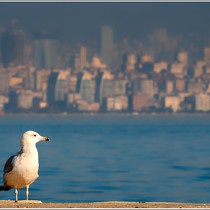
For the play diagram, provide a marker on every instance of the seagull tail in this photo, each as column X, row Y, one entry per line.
column 5, row 188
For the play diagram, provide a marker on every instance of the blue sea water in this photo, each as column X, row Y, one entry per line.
column 124, row 158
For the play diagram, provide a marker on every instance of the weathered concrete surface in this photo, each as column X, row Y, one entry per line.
column 108, row 204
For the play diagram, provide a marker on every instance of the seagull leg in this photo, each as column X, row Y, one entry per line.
column 16, row 195
column 27, row 192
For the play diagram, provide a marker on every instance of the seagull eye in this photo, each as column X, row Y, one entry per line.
column 34, row 135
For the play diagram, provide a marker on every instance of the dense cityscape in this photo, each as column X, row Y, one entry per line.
column 158, row 74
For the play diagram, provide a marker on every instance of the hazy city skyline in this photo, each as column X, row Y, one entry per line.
column 82, row 21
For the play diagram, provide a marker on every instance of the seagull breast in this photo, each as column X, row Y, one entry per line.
column 24, row 170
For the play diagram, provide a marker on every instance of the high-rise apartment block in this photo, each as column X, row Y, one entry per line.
column 139, row 101
column 83, row 57
column 131, row 62
column 107, row 45
column 45, row 52
column 182, row 57
column 207, row 55
column 169, row 86
column 202, row 102
column 144, row 86
column 13, row 48
column 104, row 85
column 86, row 87
column 147, row 87
column 180, row 85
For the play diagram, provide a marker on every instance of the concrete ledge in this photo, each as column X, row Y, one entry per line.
column 108, row 204
column 28, row 201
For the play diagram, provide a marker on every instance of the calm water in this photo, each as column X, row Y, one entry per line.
column 115, row 158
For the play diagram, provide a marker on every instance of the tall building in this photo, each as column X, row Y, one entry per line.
column 4, row 83
column 196, row 86
column 45, row 50
column 120, row 86
column 199, row 68
column 61, row 89
column 57, row 88
column 85, row 87
column 139, row 101
column 202, row 102
column 83, row 57
column 180, row 85
column 12, row 105
column 147, row 87
column 207, row 55
column 13, row 48
column 107, row 45
column 182, row 57
column 104, row 86
column 144, row 86
column 169, row 86
column 129, row 62
column 51, row 87
column 25, row 99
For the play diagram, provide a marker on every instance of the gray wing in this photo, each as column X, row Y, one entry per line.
column 9, row 164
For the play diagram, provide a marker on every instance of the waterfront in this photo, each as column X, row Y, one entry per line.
column 124, row 158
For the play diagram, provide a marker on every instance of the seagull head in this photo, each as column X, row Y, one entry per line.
column 32, row 137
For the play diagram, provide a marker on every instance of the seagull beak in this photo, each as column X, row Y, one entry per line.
column 44, row 138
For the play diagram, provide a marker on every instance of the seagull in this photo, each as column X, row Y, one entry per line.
column 21, row 169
